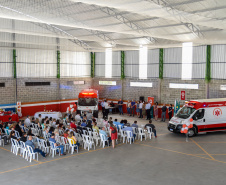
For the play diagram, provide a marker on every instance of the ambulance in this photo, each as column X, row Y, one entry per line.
column 88, row 100
column 209, row 115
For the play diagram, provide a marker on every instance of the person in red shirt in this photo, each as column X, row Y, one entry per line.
column 73, row 126
column 66, row 133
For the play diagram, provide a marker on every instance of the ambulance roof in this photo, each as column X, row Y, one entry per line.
column 210, row 100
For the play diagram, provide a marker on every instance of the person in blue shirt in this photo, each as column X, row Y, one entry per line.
column 129, row 129
column 133, row 107
column 170, row 111
column 135, row 124
column 31, row 144
column 83, row 123
column 52, row 139
column 120, row 104
column 106, row 137
column 117, row 123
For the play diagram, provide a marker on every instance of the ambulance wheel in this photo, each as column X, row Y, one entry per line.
column 191, row 132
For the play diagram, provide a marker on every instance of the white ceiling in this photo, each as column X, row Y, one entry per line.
column 122, row 24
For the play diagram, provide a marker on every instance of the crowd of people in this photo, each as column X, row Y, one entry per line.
column 145, row 110
column 67, row 127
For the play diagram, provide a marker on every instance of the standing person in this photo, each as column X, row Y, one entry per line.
column 120, row 104
column 143, row 110
column 164, row 108
column 156, row 111
column 140, row 109
column 148, row 109
column 170, row 111
column 133, row 107
column 27, row 121
column 137, row 109
column 106, row 107
column 103, row 107
column 113, row 134
column 128, row 107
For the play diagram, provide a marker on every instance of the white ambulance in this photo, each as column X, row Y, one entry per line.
column 209, row 115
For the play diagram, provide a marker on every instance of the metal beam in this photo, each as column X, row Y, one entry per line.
column 172, row 11
column 125, row 21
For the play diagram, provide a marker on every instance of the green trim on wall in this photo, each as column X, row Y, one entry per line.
column 92, row 64
column 161, row 55
column 58, row 64
column 208, row 66
column 14, row 63
column 122, row 64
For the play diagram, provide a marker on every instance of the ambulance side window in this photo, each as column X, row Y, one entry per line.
column 199, row 114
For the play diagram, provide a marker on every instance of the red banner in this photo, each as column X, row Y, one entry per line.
column 182, row 95
column 151, row 99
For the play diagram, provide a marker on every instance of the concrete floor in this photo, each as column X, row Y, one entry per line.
column 167, row 159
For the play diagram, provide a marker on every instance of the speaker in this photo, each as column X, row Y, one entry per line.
column 142, row 98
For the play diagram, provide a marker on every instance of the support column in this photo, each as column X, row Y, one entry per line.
column 92, row 64
column 122, row 65
column 14, row 59
column 161, row 61
column 208, row 69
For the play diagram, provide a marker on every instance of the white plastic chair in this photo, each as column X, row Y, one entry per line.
column 96, row 137
column 103, row 140
column 34, row 131
column 85, row 132
column 141, row 133
column 135, row 131
column 71, row 146
column 129, row 136
column 31, row 154
column 123, row 136
column 45, row 147
column 39, row 142
column 13, row 145
column 23, row 150
column 65, row 143
column 149, row 131
column 53, row 149
column 89, row 143
column 17, row 147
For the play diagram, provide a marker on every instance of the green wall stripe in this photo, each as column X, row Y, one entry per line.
column 208, row 66
column 122, row 64
column 92, row 64
column 14, row 63
column 161, row 55
column 58, row 64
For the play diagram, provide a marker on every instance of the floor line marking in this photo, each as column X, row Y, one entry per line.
column 215, row 160
column 18, row 154
column 202, row 149
column 39, row 163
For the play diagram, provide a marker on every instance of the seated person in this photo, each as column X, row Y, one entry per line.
column 30, row 143
column 52, row 139
column 129, row 129
column 89, row 115
column 78, row 117
column 3, row 136
column 89, row 125
column 12, row 135
column 152, row 126
column 135, row 124
column 18, row 129
column 24, row 137
column 66, row 133
column 96, row 127
column 83, row 123
column 73, row 138
column 126, row 123
column 73, row 126
column 106, row 137
column 117, row 123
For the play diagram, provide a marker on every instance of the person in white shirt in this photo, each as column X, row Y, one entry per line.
column 106, row 106
column 78, row 117
column 140, row 109
column 148, row 108
column 27, row 121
